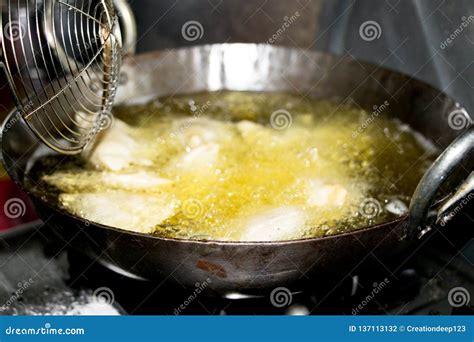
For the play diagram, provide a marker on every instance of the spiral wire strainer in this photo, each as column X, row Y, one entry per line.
column 62, row 61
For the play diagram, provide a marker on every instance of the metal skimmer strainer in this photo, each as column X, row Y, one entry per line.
column 62, row 61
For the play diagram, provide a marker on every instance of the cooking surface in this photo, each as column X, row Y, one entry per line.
column 60, row 281
column 232, row 165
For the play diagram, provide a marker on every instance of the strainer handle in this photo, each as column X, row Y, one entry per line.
column 459, row 151
column 128, row 25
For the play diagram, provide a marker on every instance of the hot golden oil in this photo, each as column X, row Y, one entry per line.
column 224, row 162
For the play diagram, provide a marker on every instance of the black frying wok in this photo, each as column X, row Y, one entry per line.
column 245, row 266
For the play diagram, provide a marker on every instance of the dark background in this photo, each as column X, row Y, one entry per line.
column 412, row 32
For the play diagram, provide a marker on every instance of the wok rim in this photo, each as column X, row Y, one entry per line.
column 135, row 60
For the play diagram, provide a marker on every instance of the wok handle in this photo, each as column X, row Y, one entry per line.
column 459, row 151
column 128, row 25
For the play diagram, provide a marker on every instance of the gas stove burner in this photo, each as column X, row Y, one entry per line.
column 40, row 275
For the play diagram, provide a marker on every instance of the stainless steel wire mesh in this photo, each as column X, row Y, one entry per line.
column 62, row 59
